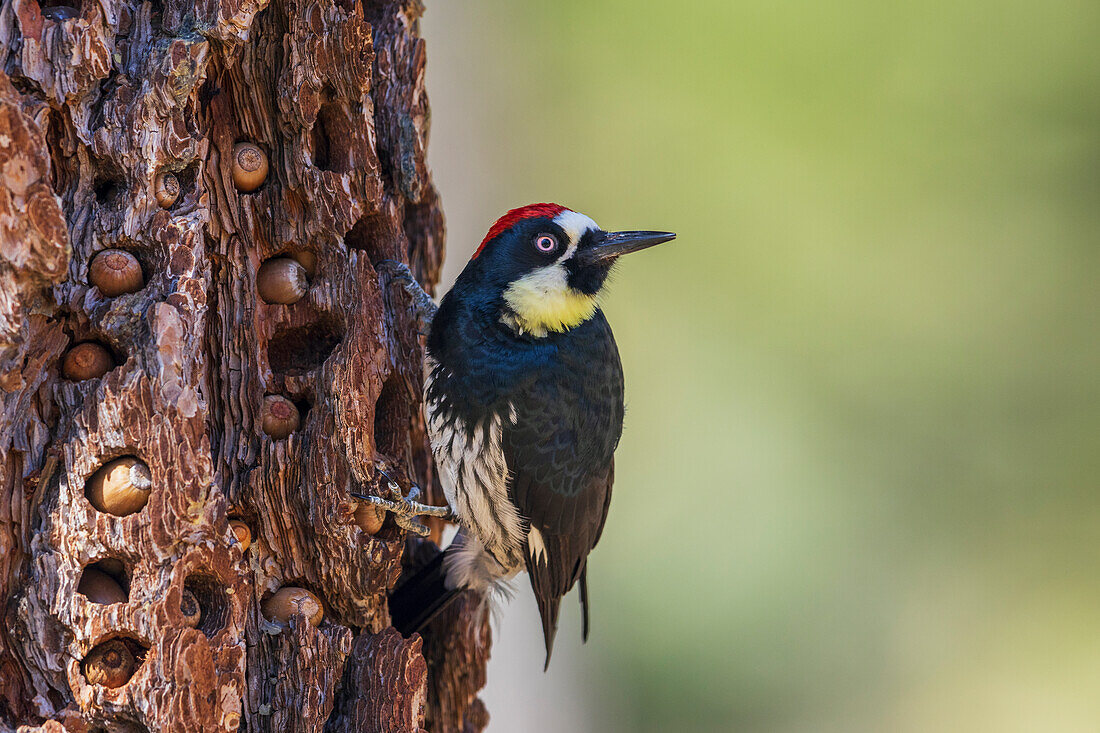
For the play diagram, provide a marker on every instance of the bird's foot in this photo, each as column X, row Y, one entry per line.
column 406, row 509
column 399, row 272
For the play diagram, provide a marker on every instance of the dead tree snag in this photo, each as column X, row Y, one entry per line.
column 182, row 421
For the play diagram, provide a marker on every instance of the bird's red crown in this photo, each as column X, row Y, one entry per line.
column 515, row 216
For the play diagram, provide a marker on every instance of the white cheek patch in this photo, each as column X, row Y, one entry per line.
column 575, row 224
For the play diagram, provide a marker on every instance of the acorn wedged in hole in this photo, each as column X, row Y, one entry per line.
column 166, row 189
column 99, row 587
column 242, row 533
column 289, row 601
column 306, row 259
column 110, row 664
column 279, row 417
column 120, row 487
column 282, row 280
column 116, row 272
column 369, row 517
column 190, row 608
column 249, row 167
column 87, row 360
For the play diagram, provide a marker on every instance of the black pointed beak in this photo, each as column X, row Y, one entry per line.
column 610, row 245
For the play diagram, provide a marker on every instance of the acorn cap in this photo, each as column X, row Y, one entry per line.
column 249, row 167
column 87, row 360
column 120, row 487
column 288, row 601
column 190, row 608
column 115, row 272
column 282, row 280
column 166, row 189
column 242, row 532
column 279, row 417
column 110, row 664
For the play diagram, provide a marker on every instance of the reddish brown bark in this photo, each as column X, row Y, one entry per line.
column 96, row 102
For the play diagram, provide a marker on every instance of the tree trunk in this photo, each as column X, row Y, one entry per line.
column 129, row 600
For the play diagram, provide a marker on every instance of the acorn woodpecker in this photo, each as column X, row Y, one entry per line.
column 524, row 404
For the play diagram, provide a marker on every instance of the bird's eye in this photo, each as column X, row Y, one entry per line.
column 546, row 243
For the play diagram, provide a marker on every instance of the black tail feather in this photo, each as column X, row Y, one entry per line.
column 584, row 603
column 420, row 598
column 548, row 609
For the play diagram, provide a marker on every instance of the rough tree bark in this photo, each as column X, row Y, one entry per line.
column 96, row 103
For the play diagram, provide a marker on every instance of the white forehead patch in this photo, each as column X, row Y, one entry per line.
column 575, row 225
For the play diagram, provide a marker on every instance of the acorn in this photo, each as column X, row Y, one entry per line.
column 369, row 517
column 115, row 272
column 87, row 360
column 190, row 608
column 110, row 664
column 120, row 487
column 100, row 587
column 279, row 416
column 166, row 188
column 288, row 601
column 307, row 260
column 242, row 532
column 249, row 167
column 282, row 280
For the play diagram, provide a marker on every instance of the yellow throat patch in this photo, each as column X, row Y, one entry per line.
column 542, row 301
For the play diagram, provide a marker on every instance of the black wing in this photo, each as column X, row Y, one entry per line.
column 559, row 442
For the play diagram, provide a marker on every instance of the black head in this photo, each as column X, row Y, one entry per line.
column 544, row 265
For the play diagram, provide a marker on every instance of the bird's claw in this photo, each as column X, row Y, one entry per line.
column 399, row 272
column 406, row 509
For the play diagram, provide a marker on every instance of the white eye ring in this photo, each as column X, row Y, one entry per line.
column 546, row 243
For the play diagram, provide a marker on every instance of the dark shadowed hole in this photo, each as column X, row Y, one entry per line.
column 391, row 418
column 213, row 602
column 60, row 10
column 96, row 579
column 301, row 349
column 108, row 191
column 331, row 134
column 156, row 14
column 375, row 235
column 61, row 174
column 320, row 146
column 303, row 406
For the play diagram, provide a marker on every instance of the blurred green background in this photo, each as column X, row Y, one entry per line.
column 858, row 485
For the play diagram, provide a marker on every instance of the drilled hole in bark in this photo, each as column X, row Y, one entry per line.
column 107, row 191
column 109, row 182
column 391, row 418
column 113, row 661
column 60, row 10
column 106, row 581
column 374, row 235
column 156, row 13
column 296, row 350
column 61, row 172
column 213, row 602
column 330, row 135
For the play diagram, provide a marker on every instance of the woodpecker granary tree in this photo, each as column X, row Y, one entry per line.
column 200, row 365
